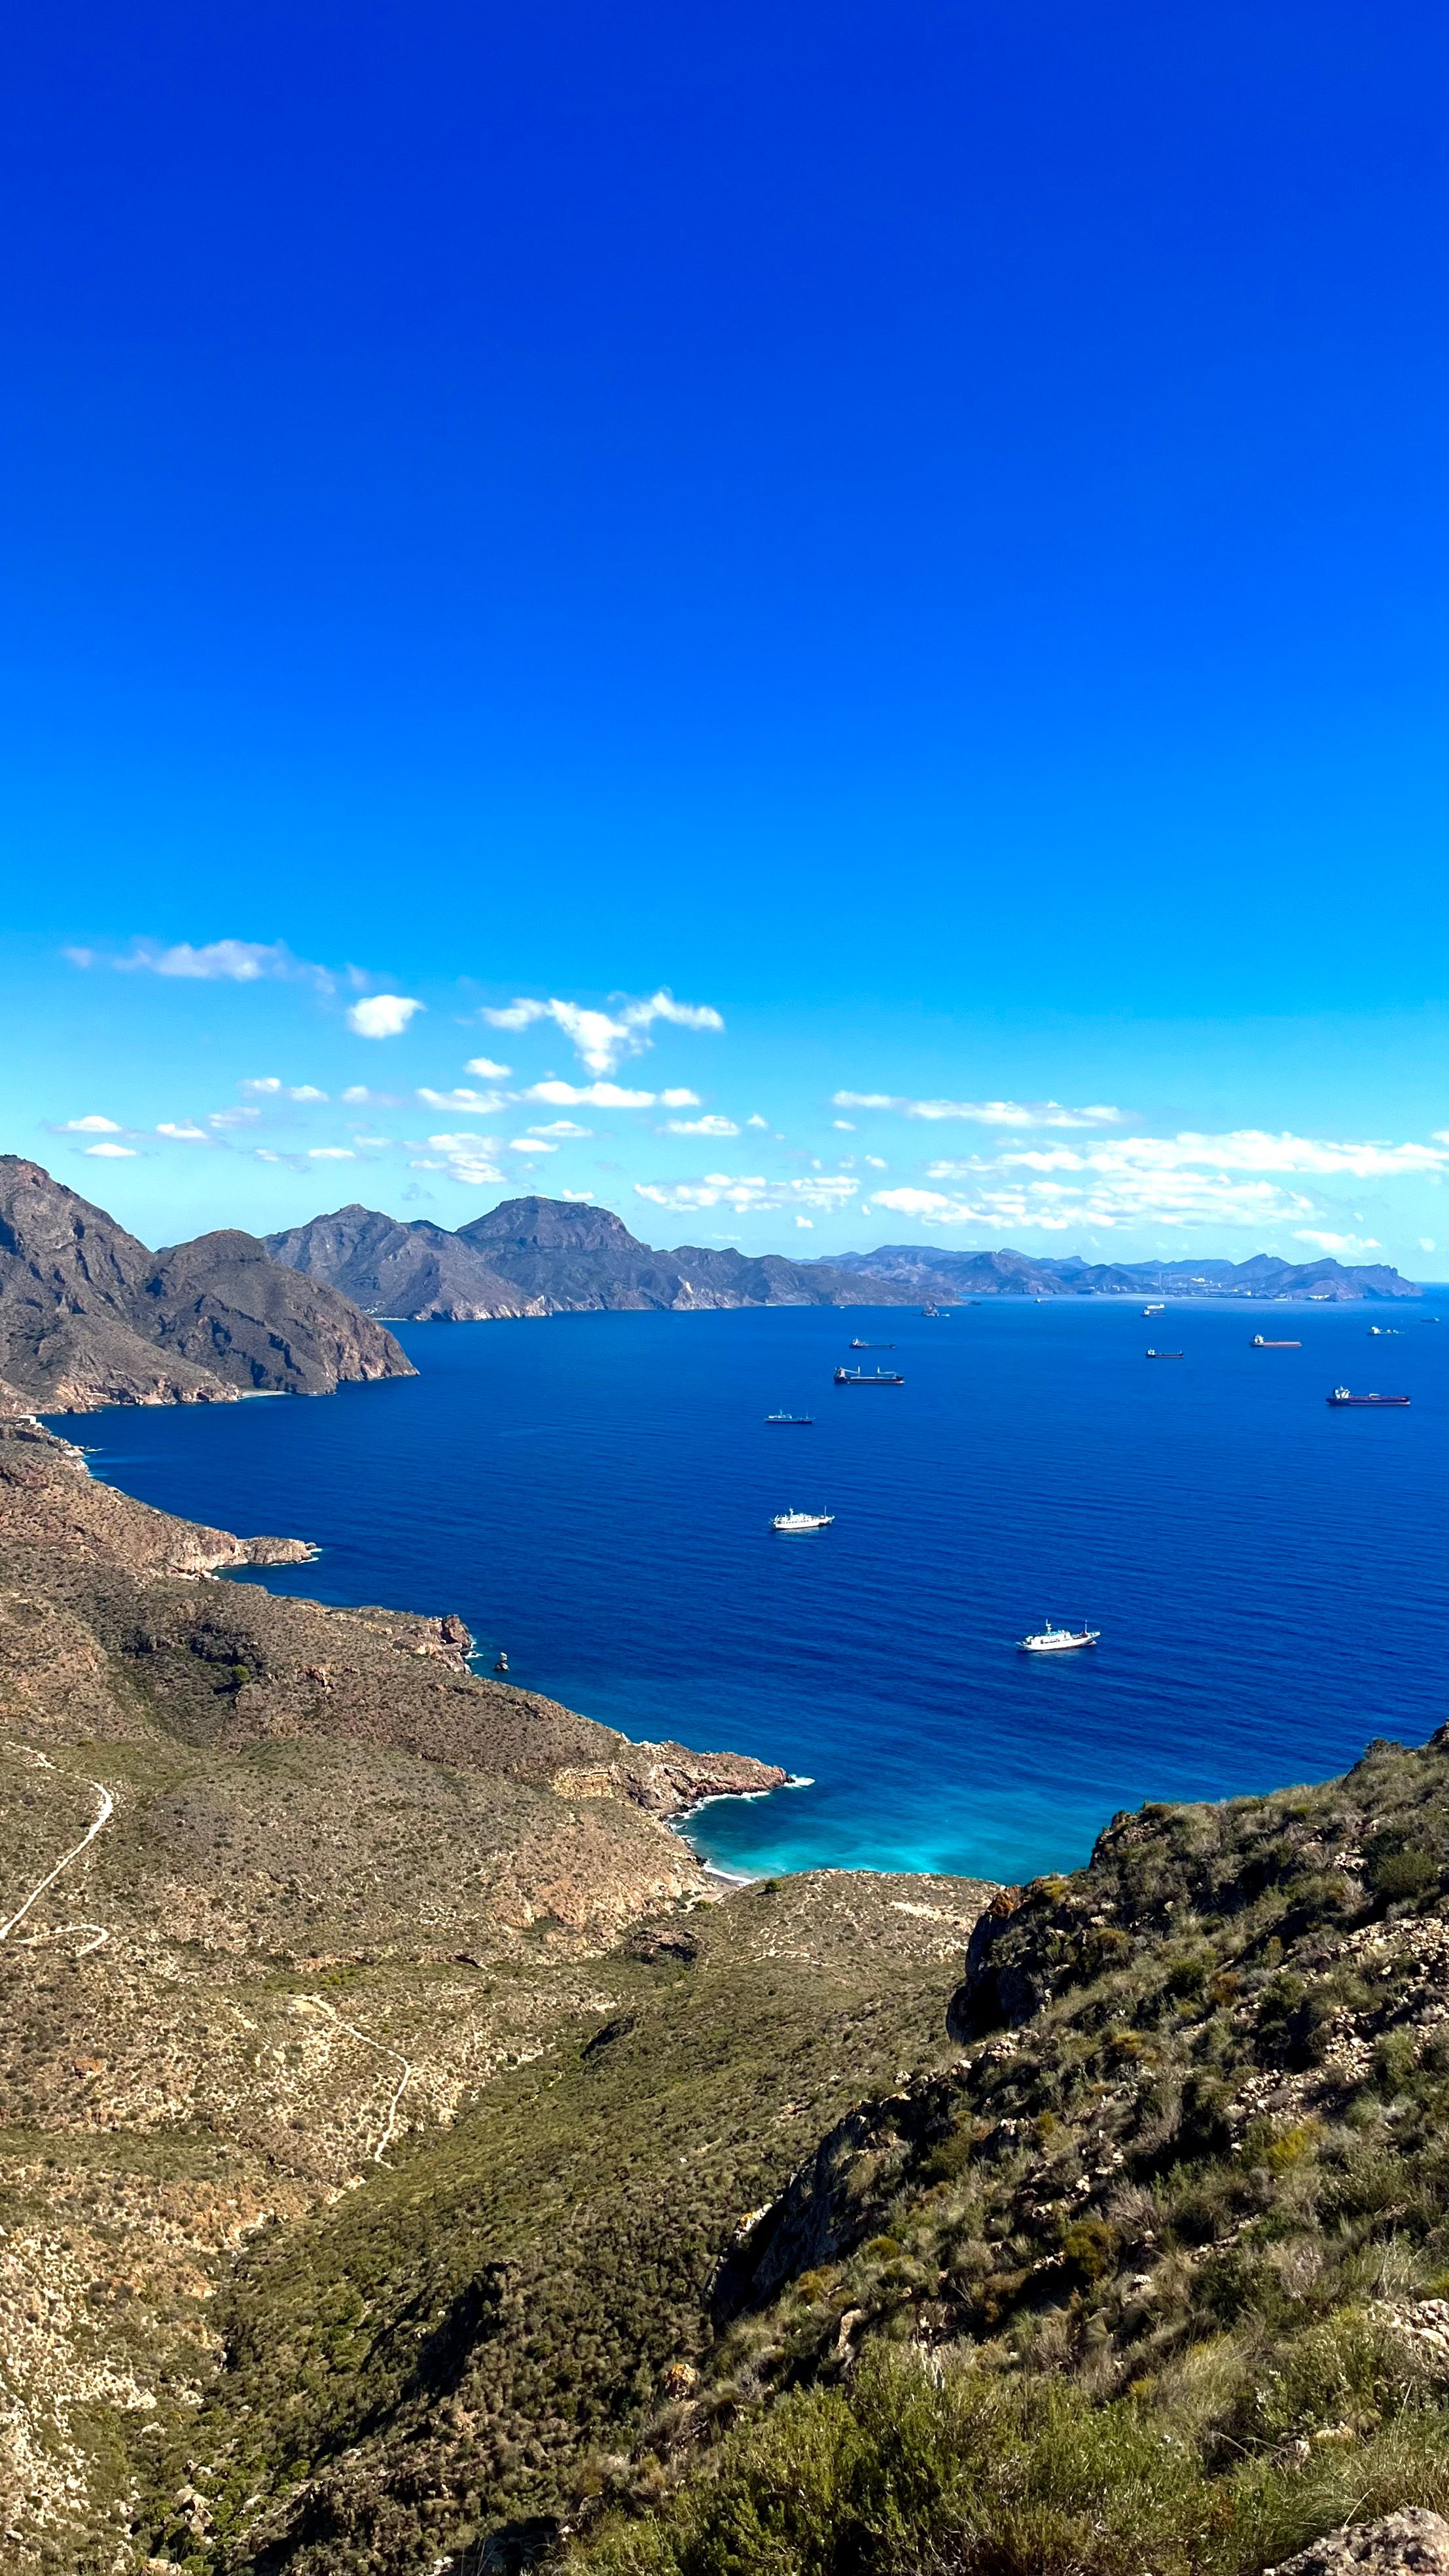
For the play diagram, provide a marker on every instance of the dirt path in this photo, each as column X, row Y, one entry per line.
column 383, row 2051
column 103, row 1815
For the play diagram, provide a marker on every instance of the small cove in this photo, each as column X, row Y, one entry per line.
column 594, row 1493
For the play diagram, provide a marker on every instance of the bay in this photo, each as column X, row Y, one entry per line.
column 594, row 1494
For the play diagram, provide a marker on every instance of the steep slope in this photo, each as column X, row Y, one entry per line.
column 1153, row 2276
column 88, row 1316
column 387, row 1268
column 281, row 1887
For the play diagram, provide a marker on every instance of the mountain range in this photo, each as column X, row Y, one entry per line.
column 537, row 1256
column 89, row 1316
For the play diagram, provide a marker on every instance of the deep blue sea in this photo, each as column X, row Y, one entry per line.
column 594, row 1493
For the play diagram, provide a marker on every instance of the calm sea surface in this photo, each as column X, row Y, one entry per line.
column 594, row 1494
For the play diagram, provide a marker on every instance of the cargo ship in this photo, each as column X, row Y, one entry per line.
column 1260, row 1342
column 1341, row 1395
column 791, row 1523
column 868, row 1377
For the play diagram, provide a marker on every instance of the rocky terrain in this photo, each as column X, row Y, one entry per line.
column 928, row 1270
column 284, row 1890
column 539, row 1256
column 548, row 1257
column 88, row 1316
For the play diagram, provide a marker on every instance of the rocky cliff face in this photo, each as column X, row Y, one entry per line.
column 539, row 1256
column 88, row 1316
column 417, row 1270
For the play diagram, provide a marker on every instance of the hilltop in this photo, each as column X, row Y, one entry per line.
column 89, row 1316
column 536, row 1256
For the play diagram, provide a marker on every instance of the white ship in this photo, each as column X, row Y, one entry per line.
column 1055, row 1641
column 791, row 1521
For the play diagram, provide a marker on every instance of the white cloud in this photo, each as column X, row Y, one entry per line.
column 983, row 1113
column 183, row 1131
column 846, row 1125
column 269, row 1086
column 376, row 1142
column 602, row 1039
column 330, row 1154
column 583, row 1196
column 382, row 1015
column 218, row 961
column 596, row 1095
column 561, row 1127
column 906, row 1202
column 464, row 1158
column 755, row 1120
column 531, row 1145
column 877, row 1164
column 484, row 1066
column 751, row 1193
column 481, row 1103
column 224, row 1118
column 1351, row 1246
column 699, row 1127
column 113, row 1153
column 679, row 1099
column 806, row 1221
column 89, row 1127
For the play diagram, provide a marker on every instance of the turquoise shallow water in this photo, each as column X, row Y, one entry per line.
column 594, row 1493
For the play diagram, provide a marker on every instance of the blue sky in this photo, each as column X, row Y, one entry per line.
column 917, row 531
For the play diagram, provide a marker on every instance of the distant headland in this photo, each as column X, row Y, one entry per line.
column 89, row 1316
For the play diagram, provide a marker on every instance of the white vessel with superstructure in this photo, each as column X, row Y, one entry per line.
column 1057, row 1641
column 792, row 1521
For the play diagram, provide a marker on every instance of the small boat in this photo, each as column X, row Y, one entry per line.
column 791, row 1522
column 1162, row 1355
column 1341, row 1395
column 1261, row 1343
column 868, row 1377
column 872, row 1346
column 1057, row 1641
column 1154, row 1310
column 502, row 1664
column 800, row 1421
column 1384, row 1332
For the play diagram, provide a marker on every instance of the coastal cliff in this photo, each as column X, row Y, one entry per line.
column 89, row 1316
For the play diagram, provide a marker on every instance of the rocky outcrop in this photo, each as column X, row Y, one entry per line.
column 539, row 1256
column 418, row 1270
column 1414, row 2543
column 88, row 1316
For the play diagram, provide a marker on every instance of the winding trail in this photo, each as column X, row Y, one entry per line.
column 383, row 2051
column 103, row 1815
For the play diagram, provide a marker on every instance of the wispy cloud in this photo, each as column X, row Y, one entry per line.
column 605, row 1095
column 464, row 1158
column 225, row 1118
column 382, row 1015
column 603, row 1039
column 750, row 1193
column 92, row 1126
column 218, row 961
column 270, row 1086
column 561, row 1127
column 1350, row 1247
column 486, row 1069
column 330, row 1154
column 532, row 1145
column 113, row 1153
column 982, row 1113
column 699, row 1127
column 184, row 1131
column 481, row 1103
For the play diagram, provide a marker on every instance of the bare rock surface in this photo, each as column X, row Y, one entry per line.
column 1413, row 2543
column 89, row 1316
